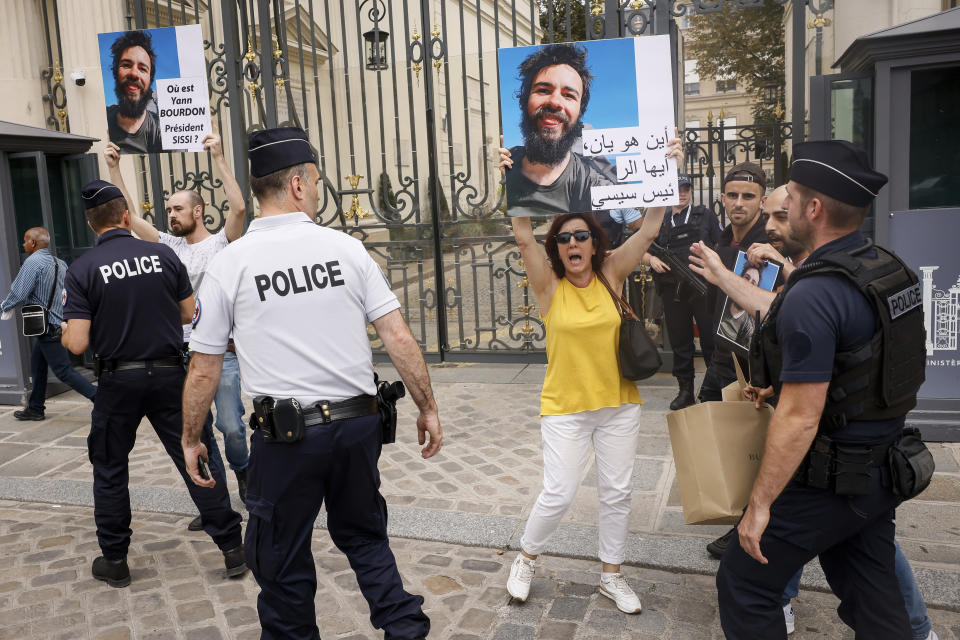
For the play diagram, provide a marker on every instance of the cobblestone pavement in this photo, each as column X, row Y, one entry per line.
column 178, row 590
column 471, row 501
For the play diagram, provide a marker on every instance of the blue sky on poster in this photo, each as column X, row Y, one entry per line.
column 613, row 92
column 164, row 45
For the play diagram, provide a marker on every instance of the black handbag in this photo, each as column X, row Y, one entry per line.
column 36, row 318
column 638, row 355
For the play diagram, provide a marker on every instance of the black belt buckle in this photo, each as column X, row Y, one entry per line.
column 853, row 470
column 263, row 417
column 288, row 422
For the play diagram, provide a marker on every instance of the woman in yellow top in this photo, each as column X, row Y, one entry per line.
column 585, row 399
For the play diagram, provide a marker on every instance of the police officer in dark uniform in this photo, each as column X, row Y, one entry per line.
column 297, row 297
column 681, row 302
column 127, row 299
column 843, row 347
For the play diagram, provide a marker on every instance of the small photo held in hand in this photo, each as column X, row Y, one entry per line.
column 736, row 324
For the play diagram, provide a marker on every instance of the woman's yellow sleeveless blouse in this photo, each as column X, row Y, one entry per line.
column 583, row 336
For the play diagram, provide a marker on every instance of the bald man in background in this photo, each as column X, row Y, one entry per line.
column 40, row 281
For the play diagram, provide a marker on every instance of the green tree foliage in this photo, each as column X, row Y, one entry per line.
column 564, row 13
column 746, row 44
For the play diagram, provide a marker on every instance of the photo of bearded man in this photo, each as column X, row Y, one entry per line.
column 132, row 122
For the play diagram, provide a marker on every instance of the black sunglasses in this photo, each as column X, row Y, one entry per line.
column 582, row 235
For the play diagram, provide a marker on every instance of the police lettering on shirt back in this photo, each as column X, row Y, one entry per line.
column 298, row 297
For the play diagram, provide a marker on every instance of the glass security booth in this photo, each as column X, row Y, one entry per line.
column 898, row 96
column 41, row 174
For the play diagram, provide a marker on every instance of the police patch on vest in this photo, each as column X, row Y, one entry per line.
column 903, row 301
column 196, row 313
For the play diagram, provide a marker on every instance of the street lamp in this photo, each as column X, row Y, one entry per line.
column 376, row 49
column 771, row 93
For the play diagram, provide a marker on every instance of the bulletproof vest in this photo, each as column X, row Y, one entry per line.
column 613, row 229
column 679, row 238
column 877, row 380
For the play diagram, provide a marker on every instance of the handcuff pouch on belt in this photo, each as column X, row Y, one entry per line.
column 278, row 420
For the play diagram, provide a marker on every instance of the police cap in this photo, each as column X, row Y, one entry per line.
column 747, row 172
column 99, row 192
column 838, row 169
column 275, row 149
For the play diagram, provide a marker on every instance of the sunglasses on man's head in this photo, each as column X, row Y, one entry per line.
column 582, row 235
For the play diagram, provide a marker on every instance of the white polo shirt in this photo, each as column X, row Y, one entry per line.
column 298, row 297
column 195, row 257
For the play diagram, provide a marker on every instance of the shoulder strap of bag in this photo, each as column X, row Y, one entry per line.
column 623, row 307
column 56, row 274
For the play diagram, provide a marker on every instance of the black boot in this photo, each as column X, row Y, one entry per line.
column 234, row 562
column 242, row 484
column 114, row 572
column 719, row 546
column 685, row 397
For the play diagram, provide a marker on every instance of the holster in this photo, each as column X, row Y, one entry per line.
column 387, row 395
column 262, row 418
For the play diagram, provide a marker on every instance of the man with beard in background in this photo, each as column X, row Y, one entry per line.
column 132, row 127
column 545, row 177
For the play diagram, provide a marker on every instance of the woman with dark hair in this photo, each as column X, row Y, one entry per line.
column 585, row 399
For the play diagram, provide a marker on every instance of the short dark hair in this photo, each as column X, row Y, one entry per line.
column 108, row 214
column 841, row 214
column 600, row 241
column 275, row 184
column 129, row 39
column 572, row 55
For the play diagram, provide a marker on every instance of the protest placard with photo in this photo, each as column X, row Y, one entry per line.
column 736, row 326
column 587, row 125
column 155, row 83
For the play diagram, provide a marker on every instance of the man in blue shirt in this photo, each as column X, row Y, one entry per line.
column 824, row 488
column 40, row 281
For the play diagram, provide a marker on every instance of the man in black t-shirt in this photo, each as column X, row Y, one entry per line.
column 127, row 299
column 743, row 197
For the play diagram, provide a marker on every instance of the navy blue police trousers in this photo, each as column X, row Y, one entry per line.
column 853, row 536
column 123, row 399
column 286, row 485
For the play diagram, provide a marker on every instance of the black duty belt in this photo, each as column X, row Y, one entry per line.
column 325, row 412
column 124, row 365
column 842, row 467
column 322, row 412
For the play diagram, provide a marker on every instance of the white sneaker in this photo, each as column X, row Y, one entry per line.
column 616, row 588
column 789, row 618
column 521, row 575
column 932, row 635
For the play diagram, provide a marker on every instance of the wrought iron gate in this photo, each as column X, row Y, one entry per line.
column 406, row 136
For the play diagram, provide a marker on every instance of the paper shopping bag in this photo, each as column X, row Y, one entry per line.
column 717, row 447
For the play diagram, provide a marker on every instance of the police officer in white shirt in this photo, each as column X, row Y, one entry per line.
column 297, row 297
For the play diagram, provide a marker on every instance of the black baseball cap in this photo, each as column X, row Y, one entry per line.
column 747, row 172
